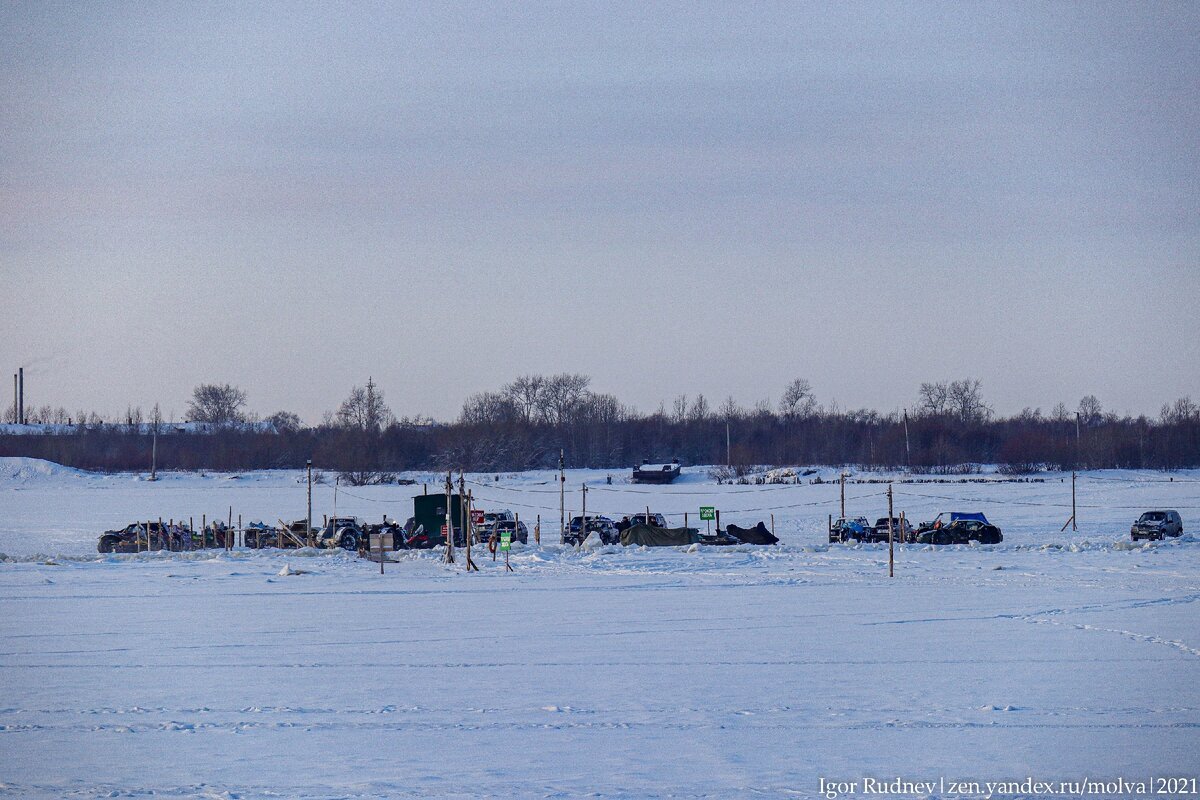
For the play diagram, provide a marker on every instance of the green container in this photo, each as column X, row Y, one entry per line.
column 430, row 510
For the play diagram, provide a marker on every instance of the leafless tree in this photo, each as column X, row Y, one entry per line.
column 562, row 394
column 1090, row 410
column 527, row 393
column 934, row 397
column 798, row 401
column 217, row 404
column 699, row 410
column 365, row 409
column 285, row 422
column 966, row 400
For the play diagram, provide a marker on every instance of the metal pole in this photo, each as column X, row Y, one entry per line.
column 21, row 399
column 308, row 519
column 891, row 538
column 449, row 521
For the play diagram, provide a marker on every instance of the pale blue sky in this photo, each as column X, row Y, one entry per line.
column 672, row 198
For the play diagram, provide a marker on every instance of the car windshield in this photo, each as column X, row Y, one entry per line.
column 1153, row 516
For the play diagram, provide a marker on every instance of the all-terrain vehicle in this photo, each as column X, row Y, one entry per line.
column 1156, row 525
column 958, row 528
column 344, row 532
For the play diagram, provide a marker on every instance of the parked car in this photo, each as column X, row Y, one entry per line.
column 603, row 526
column 845, row 529
column 657, row 520
column 1156, row 525
column 961, row 530
column 899, row 533
column 490, row 518
column 516, row 530
column 133, row 537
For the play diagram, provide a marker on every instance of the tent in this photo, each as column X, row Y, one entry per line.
column 651, row 536
column 756, row 535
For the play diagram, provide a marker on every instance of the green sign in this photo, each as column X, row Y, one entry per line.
column 708, row 512
column 505, row 540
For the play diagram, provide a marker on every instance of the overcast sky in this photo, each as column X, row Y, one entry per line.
column 683, row 198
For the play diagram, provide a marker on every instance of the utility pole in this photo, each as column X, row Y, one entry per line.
column 1074, row 522
column 583, row 534
column 465, row 512
column 308, row 524
column 154, row 451
column 562, row 488
column 728, row 457
column 891, row 538
column 449, row 521
column 842, row 479
column 907, row 448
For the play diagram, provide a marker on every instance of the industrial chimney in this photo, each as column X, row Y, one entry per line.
column 21, row 397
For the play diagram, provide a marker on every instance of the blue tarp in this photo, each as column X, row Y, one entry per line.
column 954, row 515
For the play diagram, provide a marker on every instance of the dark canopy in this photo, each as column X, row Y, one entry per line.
column 756, row 535
column 651, row 536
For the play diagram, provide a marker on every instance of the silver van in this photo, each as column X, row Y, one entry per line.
column 1156, row 525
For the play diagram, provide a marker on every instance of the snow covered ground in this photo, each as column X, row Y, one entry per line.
column 682, row 672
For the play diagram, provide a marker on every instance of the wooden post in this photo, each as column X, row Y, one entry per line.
column 1074, row 518
column 231, row 538
column 562, row 488
column 685, row 520
column 772, row 523
column 842, row 480
column 468, row 522
column 537, row 531
column 647, row 515
column 891, row 544
column 164, row 534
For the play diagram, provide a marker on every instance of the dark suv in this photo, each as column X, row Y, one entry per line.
column 603, row 526
column 1156, row 525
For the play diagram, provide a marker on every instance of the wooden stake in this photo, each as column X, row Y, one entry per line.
column 449, row 557
column 537, row 531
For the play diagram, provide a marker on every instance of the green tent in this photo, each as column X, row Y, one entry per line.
column 651, row 536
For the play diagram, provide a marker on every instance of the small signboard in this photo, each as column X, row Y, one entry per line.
column 477, row 516
column 708, row 512
column 506, row 540
column 381, row 542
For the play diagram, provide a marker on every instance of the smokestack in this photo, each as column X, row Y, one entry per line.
column 21, row 396
column 15, row 406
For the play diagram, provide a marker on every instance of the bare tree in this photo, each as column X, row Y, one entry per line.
column 284, row 422
column 729, row 409
column 527, row 393
column 489, row 408
column 934, row 397
column 1090, row 410
column 679, row 408
column 562, row 394
column 798, row 401
column 217, row 404
column 365, row 409
column 966, row 400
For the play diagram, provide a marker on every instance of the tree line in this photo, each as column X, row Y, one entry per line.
column 526, row 423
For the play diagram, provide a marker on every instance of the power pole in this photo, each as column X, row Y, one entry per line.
column 842, row 479
column 308, row 526
column 907, row 449
column 891, row 538
column 1074, row 521
column 465, row 505
column 154, row 448
column 562, row 488
column 728, row 457
column 449, row 521
column 583, row 534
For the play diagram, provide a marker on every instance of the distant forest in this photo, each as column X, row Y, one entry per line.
column 526, row 423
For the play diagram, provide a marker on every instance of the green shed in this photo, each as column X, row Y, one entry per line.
column 429, row 510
